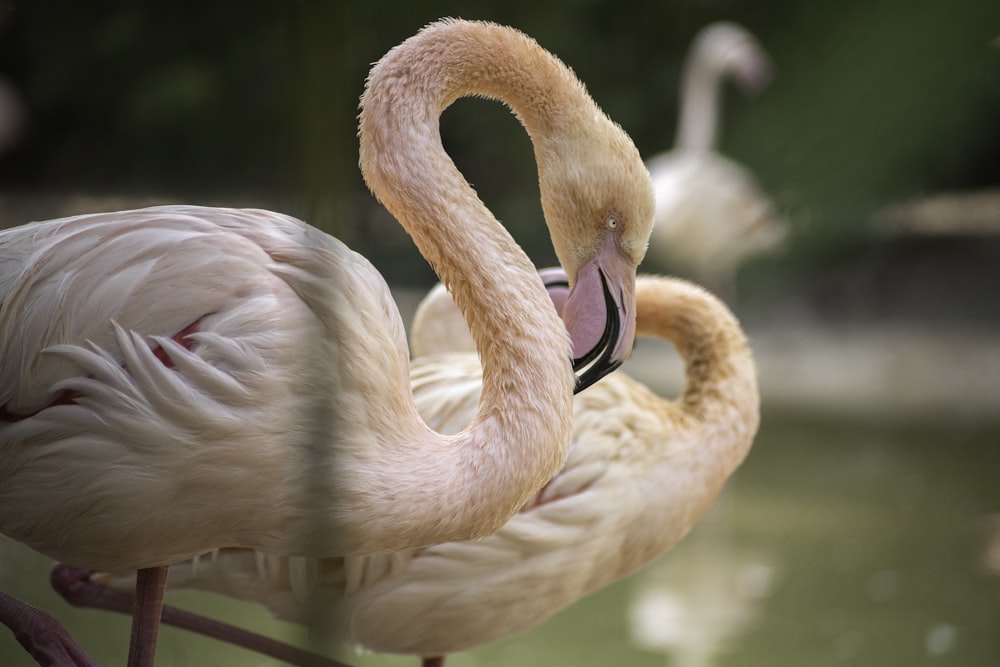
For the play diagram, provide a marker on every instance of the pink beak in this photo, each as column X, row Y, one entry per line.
column 599, row 312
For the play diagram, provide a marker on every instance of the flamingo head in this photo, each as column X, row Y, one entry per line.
column 598, row 204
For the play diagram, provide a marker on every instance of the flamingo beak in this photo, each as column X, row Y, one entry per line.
column 754, row 72
column 599, row 312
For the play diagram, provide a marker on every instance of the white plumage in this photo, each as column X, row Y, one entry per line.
column 81, row 480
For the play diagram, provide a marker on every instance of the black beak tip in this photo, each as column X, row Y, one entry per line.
column 593, row 374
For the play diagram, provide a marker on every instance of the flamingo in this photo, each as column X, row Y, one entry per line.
column 711, row 213
column 641, row 472
column 178, row 379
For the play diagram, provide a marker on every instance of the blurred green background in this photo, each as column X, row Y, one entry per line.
column 874, row 535
column 256, row 102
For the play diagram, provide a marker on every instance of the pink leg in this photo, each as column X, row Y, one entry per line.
column 42, row 636
column 150, row 585
column 76, row 586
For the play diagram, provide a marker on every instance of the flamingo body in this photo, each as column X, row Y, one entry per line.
column 88, row 300
column 641, row 471
column 711, row 214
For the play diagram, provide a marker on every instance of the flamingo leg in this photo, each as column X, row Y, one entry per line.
column 150, row 586
column 75, row 585
column 42, row 636
column 145, row 607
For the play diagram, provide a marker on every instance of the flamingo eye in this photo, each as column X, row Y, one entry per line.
column 612, row 223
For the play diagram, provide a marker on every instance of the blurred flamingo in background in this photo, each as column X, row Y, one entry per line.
column 711, row 214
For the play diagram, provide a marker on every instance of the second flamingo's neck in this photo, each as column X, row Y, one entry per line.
column 721, row 392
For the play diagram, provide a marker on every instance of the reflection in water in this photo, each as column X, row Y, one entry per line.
column 691, row 602
column 940, row 638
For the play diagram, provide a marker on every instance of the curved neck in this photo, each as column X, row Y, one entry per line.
column 721, row 388
column 520, row 437
column 700, row 91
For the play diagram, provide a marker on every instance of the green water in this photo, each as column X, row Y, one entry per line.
column 834, row 544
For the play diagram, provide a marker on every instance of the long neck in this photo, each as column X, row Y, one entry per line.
column 703, row 436
column 721, row 392
column 520, row 437
column 699, row 115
